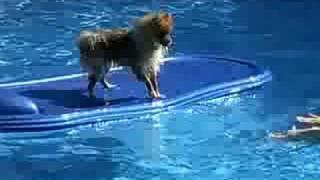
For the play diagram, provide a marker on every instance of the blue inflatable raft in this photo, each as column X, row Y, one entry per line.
column 62, row 102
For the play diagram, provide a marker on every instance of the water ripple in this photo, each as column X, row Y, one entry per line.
column 42, row 33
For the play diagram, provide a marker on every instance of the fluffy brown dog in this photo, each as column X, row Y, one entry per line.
column 141, row 48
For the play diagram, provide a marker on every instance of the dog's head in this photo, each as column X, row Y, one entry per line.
column 158, row 26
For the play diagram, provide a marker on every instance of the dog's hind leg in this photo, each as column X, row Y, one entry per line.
column 104, row 82
column 92, row 82
column 95, row 75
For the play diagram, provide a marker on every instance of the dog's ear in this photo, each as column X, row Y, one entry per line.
column 166, row 21
column 165, row 16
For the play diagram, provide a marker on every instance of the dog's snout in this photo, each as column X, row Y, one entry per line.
column 166, row 41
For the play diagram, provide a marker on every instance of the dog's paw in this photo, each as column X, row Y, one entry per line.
column 107, row 103
column 157, row 96
column 112, row 86
column 153, row 95
column 108, row 85
column 162, row 96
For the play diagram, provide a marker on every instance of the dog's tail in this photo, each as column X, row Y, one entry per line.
column 86, row 41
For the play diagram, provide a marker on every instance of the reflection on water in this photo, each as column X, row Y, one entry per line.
column 184, row 143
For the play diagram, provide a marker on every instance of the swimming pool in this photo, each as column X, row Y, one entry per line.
column 220, row 139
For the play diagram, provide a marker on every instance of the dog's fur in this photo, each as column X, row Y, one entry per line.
column 141, row 48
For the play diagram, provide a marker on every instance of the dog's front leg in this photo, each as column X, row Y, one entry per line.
column 151, row 91
column 154, row 81
column 145, row 77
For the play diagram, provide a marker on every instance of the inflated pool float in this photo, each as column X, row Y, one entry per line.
column 62, row 102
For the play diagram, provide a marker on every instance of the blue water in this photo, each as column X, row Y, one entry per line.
column 218, row 139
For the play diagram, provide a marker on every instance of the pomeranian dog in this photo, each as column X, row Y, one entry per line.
column 141, row 48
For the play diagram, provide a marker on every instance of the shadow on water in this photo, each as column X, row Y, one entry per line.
column 79, row 98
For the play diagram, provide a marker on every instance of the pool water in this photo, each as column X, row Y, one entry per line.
column 225, row 138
